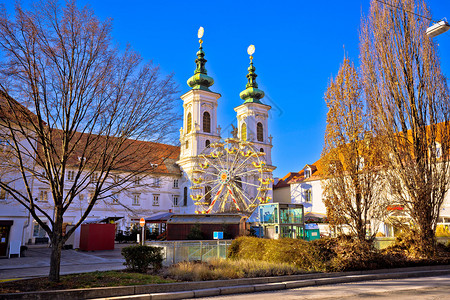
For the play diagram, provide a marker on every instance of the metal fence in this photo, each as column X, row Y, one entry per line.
column 177, row 251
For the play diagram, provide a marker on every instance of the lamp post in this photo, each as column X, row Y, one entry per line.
column 438, row 28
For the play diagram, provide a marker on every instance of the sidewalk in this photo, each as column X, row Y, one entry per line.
column 37, row 262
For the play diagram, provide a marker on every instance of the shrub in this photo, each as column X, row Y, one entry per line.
column 228, row 269
column 441, row 230
column 195, row 233
column 299, row 253
column 139, row 258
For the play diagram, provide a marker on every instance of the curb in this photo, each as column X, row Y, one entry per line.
column 183, row 290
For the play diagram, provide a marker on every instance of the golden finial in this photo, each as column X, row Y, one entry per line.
column 200, row 33
column 250, row 51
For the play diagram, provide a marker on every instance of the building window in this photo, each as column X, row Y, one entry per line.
column 438, row 150
column 261, row 150
column 175, row 201
column 38, row 231
column 187, row 144
column 244, row 131
column 157, row 181
column 308, row 196
column 43, row 195
column 155, row 200
column 136, row 199
column 207, row 143
column 360, row 163
column 206, row 122
column 189, row 123
column 259, row 132
column 4, row 144
column 307, row 173
column 175, row 183
column 185, row 195
column 94, row 177
column 137, row 180
column 70, row 175
column 208, row 194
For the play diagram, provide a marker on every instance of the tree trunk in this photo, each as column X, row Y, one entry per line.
column 57, row 243
column 426, row 240
column 55, row 260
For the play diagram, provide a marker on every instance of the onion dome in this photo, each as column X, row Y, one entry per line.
column 251, row 94
column 200, row 81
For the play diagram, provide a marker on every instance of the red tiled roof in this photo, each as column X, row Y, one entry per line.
column 135, row 155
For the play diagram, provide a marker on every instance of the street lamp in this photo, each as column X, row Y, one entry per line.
column 438, row 28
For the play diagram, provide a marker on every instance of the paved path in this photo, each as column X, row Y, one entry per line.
column 37, row 262
column 399, row 289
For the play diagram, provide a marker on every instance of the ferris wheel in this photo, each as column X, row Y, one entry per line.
column 230, row 176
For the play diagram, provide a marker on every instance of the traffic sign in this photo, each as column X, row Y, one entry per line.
column 142, row 222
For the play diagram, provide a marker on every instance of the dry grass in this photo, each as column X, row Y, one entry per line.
column 228, row 269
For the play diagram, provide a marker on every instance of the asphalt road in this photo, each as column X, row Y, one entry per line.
column 399, row 289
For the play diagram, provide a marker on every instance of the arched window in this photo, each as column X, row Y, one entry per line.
column 187, row 144
column 244, row 131
column 238, row 182
column 259, row 132
column 189, row 123
column 208, row 194
column 206, row 122
column 185, row 196
column 261, row 150
column 207, row 143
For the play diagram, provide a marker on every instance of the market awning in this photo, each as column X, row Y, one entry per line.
column 314, row 216
column 159, row 217
column 103, row 220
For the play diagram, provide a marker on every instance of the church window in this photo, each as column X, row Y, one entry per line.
column 208, row 194
column 206, row 122
column 185, row 196
column 244, row 131
column 207, row 143
column 261, row 150
column 187, row 144
column 259, row 132
column 189, row 123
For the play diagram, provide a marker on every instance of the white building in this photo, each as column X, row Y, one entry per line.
column 167, row 187
column 305, row 187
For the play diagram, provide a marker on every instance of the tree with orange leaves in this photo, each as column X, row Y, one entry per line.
column 409, row 107
column 352, row 179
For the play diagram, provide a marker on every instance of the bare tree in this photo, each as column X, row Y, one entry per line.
column 350, row 161
column 409, row 101
column 85, row 107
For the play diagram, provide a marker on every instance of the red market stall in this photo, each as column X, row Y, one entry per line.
column 97, row 237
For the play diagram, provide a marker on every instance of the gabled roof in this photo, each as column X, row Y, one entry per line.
column 135, row 155
column 316, row 173
column 14, row 111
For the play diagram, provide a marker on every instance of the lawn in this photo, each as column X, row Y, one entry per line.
column 83, row 280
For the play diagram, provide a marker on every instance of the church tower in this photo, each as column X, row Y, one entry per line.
column 252, row 115
column 199, row 121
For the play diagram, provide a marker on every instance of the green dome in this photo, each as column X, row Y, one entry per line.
column 200, row 81
column 251, row 94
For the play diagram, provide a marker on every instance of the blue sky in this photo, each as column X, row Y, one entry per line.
column 299, row 47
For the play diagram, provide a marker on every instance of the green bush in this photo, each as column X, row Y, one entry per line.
column 195, row 233
column 139, row 258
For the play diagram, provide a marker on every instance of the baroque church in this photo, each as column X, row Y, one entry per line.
column 207, row 173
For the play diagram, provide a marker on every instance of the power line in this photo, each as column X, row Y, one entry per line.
column 401, row 8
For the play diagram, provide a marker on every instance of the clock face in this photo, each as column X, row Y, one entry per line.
column 251, row 49
column 201, row 31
